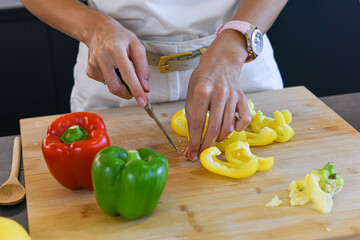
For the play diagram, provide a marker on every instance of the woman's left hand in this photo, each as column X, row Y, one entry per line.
column 214, row 85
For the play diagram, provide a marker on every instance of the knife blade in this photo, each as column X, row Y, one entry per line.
column 150, row 111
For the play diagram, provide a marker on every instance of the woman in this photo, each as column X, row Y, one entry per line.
column 131, row 36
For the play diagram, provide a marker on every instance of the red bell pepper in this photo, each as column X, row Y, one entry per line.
column 70, row 146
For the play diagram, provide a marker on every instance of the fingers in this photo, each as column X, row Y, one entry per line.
column 223, row 102
column 118, row 48
column 113, row 81
column 196, row 113
column 244, row 114
column 228, row 122
column 129, row 76
column 217, row 106
column 138, row 56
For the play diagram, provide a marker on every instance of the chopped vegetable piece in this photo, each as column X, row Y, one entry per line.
column 275, row 202
column 264, row 137
column 180, row 125
column 317, row 187
column 234, row 137
column 239, row 153
column 211, row 163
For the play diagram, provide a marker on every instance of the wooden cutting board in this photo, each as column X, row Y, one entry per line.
column 197, row 204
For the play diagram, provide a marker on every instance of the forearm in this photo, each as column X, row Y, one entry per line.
column 261, row 13
column 68, row 16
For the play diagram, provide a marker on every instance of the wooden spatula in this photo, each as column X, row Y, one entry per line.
column 12, row 192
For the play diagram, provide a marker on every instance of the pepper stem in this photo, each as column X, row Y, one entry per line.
column 73, row 134
column 133, row 155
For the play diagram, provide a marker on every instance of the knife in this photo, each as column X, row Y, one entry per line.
column 149, row 109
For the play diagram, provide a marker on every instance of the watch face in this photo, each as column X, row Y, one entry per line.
column 257, row 41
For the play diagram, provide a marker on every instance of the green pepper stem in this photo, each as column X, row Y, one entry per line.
column 73, row 134
column 133, row 155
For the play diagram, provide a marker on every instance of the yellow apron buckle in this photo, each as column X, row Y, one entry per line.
column 163, row 66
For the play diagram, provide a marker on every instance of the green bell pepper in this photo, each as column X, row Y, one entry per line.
column 129, row 183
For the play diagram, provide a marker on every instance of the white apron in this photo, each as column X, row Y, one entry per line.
column 166, row 27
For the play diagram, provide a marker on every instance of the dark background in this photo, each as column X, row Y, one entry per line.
column 316, row 44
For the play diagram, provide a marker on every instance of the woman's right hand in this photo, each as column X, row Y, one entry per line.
column 111, row 46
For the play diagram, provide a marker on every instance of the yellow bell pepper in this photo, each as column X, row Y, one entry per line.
column 287, row 115
column 11, row 229
column 251, row 108
column 298, row 195
column 233, row 170
column 278, row 123
column 180, row 125
column 275, row 202
column 318, row 188
column 264, row 137
column 233, row 137
column 239, row 153
column 284, row 132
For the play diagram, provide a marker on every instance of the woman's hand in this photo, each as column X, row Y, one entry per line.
column 111, row 47
column 214, row 85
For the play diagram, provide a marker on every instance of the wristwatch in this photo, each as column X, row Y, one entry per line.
column 253, row 35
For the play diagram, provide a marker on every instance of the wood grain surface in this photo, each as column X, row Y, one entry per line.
column 197, row 204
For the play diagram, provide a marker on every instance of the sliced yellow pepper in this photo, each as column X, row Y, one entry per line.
column 180, row 125
column 285, row 133
column 213, row 164
column 265, row 163
column 278, row 123
column 251, row 108
column 239, row 153
column 264, row 137
column 287, row 115
column 233, row 137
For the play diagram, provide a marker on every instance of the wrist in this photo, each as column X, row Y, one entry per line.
column 237, row 42
column 253, row 36
column 95, row 24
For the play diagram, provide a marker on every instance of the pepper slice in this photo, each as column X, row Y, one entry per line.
column 129, row 183
column 233, row 170
column 239, row 153
column 251, row 108
column 278, row 124
column 287, row 116
column 264, row 137
column 233, row 137
column 70, row 146
column 180, row 125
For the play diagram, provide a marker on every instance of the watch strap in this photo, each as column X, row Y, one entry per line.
column 239, row 26
column 236, row 25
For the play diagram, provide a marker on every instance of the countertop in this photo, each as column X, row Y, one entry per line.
column 346, row 105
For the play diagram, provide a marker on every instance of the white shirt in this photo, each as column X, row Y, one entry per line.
column 166, row 27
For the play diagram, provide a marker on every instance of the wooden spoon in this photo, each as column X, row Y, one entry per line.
column 12, row 192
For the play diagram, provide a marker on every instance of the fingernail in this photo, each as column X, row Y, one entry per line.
column 147, row 85
column 193, row 156
column 141, row 102
column 186, row 152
